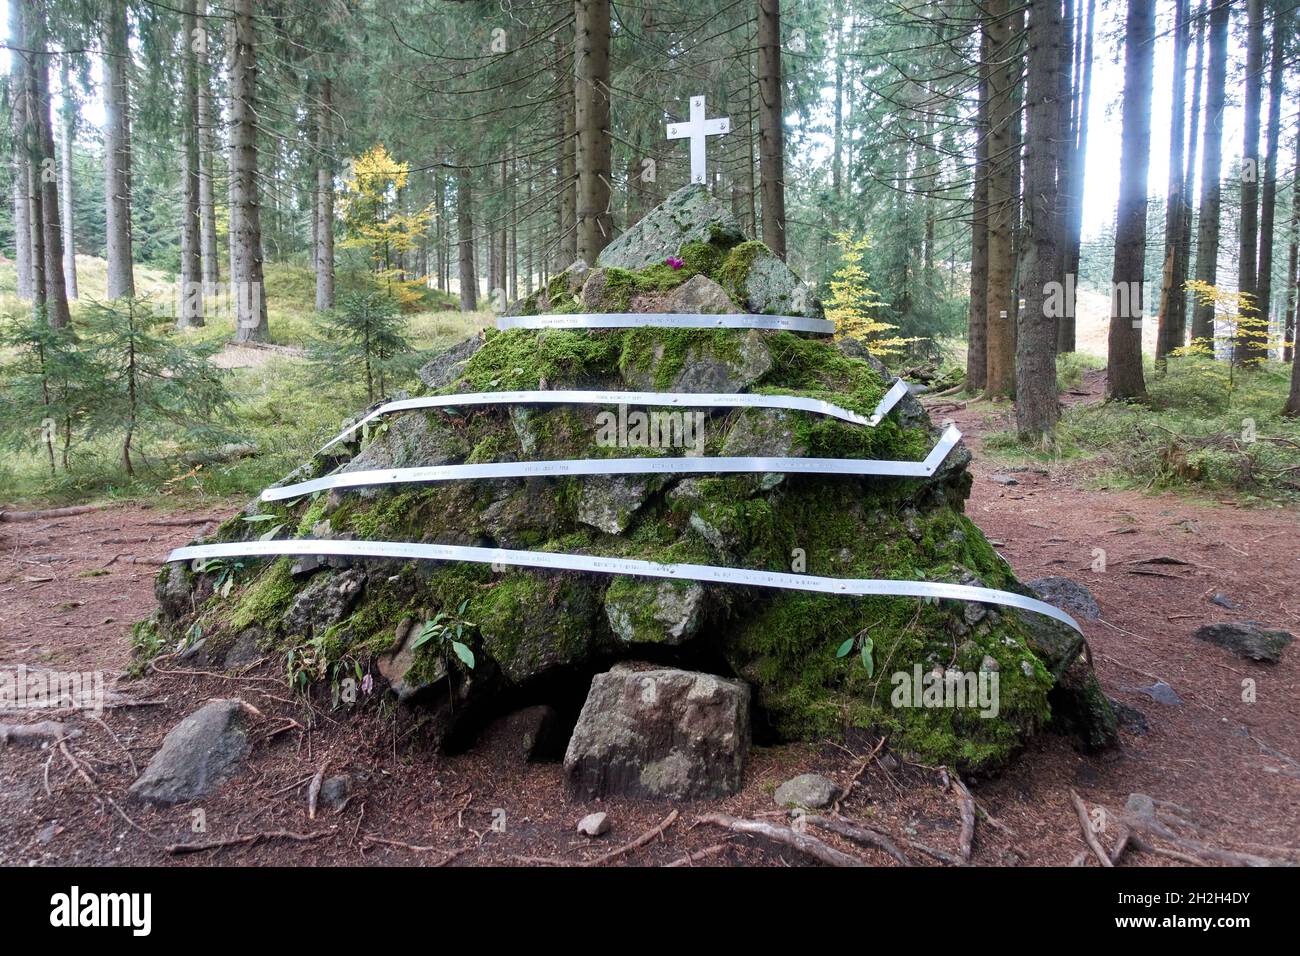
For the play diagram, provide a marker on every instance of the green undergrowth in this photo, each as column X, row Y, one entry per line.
column 1204, row 429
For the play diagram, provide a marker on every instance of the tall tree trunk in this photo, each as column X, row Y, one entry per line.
column 1170, row 288
column 466, row 276
column 69, row 134
column 1037, row 409
column 1178, row 330
column 1268, row 197
column 245, row 216
column 21, row 157
column 1124, row 362
column 191, row 278
column 1289, row 325
column 1207, row 230
column 117, row 150
column 324, row 252
column 977, row 314
column 47, row 180
column 1067, row 324
column 771, row 125
column 595, row 227
column 567, row 159
column 1249, row 338
column 210, row 261
column 1003, row 27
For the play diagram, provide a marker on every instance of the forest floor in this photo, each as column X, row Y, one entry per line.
column 69, row 592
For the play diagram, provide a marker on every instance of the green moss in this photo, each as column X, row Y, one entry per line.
column 734, row 271
column 311, row 516
column 264, row 601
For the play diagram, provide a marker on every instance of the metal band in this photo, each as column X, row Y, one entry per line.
column 666, row 399
column 665, row 320
column 624, row 466
column 856, row 587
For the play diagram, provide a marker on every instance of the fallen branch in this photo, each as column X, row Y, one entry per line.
column 967, row 838
column 864, row 836
column 807, row 845
column 177, row 849
column 1088, row 836
column 626, row 848
column 943, row 856
column 49, row 513
column 82, row 773
column 43, row 732
column 636, row 844
column 313, row 791
column 180, row 522
column 369, row 839
column 690, row 859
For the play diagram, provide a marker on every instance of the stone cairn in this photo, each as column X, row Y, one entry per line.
column 678, row 673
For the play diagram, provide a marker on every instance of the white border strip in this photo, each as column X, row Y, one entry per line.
column 856, row 587
column 672, row 465
column 665, row 320
column 665, row 399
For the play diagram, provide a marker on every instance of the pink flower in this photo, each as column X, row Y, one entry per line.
column 367, row 684
column 674, row 262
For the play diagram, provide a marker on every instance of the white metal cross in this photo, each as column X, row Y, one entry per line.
column 696, row 131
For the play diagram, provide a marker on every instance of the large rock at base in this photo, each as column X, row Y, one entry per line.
column 688, row 215
column 199, row 754
column 1067, row 594
column 1248, row 640
column 663, row 734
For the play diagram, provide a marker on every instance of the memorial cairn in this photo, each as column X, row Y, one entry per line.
column 662, row 499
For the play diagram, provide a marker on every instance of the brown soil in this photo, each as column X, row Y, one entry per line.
column 66, row 604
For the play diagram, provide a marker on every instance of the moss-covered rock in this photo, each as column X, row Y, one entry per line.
column 526, row 628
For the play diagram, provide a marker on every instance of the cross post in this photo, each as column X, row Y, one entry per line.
column 697, row 130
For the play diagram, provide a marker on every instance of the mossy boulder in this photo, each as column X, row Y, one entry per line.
column 534, row 631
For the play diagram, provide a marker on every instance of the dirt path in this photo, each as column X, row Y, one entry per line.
column 66, row 604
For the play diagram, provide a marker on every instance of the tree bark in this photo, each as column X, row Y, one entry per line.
column 1289, row 324
column 1178, row 331
column 771, row 125
column 190, row 301
column 21, row 158
column 1247, row 345
column 1170, row 285
column 44, row 169
column 1066, row 326
column 324, row 251
column 1037, row 409
column 1124, row 362
column 117, row 151
column 466, row 276
column 1004, row 27
column 566, row 164
column 1268, row 196
column 245, row 215
column 591, row 117
column 68, row 137
column 977, row 314
column 210, row 261
column 1207, row 230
